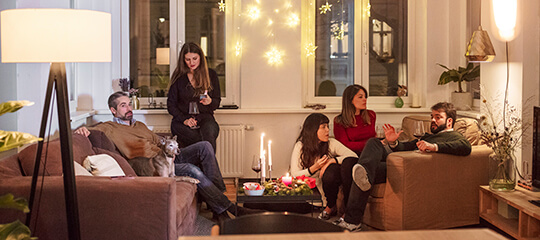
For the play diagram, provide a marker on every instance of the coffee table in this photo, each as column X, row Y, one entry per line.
column 243, row 198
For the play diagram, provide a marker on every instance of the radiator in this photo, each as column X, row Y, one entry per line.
column 230, row 150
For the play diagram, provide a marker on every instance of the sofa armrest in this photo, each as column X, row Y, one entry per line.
column 139, row 208
column 434, row 190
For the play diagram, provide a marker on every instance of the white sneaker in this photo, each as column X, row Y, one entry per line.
column 350, row 227
column 360, row 177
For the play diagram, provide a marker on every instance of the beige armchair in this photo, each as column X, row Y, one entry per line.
column 430, row 190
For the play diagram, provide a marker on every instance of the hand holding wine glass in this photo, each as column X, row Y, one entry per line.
column 194, row 111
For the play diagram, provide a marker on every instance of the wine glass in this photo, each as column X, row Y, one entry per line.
column 194, row 111
column 379, row 130
column 256, row 165
column 419, row 129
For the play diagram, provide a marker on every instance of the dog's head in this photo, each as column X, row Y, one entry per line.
column 170, row 146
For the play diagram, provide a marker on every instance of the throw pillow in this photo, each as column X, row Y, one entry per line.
column 103, row 165
column 80, row 171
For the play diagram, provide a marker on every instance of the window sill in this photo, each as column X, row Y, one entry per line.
column 330, row 110
column 80, row 115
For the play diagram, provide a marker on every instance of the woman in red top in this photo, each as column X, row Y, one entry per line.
column 355, row 125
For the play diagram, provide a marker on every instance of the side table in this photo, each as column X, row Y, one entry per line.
column 527, row 223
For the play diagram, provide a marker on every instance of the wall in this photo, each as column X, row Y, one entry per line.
column 524, row 52
column 271, row 97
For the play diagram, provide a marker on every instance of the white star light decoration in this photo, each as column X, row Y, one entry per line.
column 238, row 49
column 274, row 56
column 325, row 7
column 310, row 49
column 221, row 6
column 293, row 20
column 254, row 12
column 338, row 32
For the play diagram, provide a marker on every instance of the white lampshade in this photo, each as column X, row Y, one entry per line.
column 55, row 35
column 162, row 56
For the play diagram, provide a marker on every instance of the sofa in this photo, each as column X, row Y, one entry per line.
column 109, row 208
column 430, row 190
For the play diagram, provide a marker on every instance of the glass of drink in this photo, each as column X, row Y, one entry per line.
column 419, row 129
column 194, row 111
column 256, row 165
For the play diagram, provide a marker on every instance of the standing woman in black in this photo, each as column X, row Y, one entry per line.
column 193, row 81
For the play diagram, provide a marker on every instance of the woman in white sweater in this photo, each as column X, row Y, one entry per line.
column 318, row 156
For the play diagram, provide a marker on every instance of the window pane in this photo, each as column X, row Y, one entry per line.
column 334, row 56
column 149, row 30
column 205, row 25
column 388, row 47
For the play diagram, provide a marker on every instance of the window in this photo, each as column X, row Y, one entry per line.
column 149, row 45
column 358, row 42
column 153, row 29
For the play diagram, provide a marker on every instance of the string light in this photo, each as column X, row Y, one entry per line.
column 274, row 56
column 293, row 20
column 221, row 6
column 253, row 12
column 310, row 49
column 238, row 48
column 325, row 7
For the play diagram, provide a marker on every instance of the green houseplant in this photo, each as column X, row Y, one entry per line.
column 462, row 100
column 9, row 140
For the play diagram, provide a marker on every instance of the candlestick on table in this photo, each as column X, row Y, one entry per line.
column 270, row 159
column 263, row 167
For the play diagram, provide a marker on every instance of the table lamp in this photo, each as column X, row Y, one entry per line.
column 56, row 36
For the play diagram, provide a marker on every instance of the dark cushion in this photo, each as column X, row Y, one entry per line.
column 119, row 159
column 81, row 149
column 100, row 140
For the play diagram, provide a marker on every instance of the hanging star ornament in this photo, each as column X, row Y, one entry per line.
column 221, row 6
column 338, row 32
column 325, row 7
column 310, row 49
column 274, row 56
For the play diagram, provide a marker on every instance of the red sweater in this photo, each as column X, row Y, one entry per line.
column 355, row 138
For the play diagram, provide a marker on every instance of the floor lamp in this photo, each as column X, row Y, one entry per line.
column 56, row 36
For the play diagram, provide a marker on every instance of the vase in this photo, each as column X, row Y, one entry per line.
column 135, row 102
column 502, row 176
column 399, row 102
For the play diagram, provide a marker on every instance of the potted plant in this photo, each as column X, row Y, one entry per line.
column 462, row 100
column 9, row 140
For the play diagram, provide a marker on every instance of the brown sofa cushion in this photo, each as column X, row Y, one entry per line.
column 119, row 159
column 100, row 140
column 81, row 148
column 468, row 127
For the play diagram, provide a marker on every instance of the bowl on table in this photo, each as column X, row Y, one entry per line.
column 253, row 189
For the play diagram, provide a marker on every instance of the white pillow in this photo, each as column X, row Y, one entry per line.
column 79, row 170
column 103, row 165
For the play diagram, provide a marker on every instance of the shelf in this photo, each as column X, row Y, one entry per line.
column 526, row 226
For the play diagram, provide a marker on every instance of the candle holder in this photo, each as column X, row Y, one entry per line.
column 270, row 172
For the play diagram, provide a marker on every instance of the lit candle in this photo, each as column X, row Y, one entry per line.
column 269, row 152
column 286, row 179
column 263, row 164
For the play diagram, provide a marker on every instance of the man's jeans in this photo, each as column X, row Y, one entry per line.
column 213, row 196
column 201, row 154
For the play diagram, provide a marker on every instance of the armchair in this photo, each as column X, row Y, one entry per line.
column 430, row 190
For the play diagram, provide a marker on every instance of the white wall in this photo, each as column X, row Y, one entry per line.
column 524, row 60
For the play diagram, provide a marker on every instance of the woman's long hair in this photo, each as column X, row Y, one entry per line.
column 347, row 118
column 201, row 76
column 312, row 148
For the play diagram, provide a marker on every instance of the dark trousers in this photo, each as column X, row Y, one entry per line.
column 208, row 131
column 335, row 176
column 201, row 155
column 373, row 159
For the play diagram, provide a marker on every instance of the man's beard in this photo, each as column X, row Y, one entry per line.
column 438, row 128
column 126, row 117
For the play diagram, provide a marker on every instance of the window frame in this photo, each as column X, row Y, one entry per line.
column 361, row 56
column 232, row 62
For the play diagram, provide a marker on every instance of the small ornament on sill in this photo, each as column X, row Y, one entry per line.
column 402, row 91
